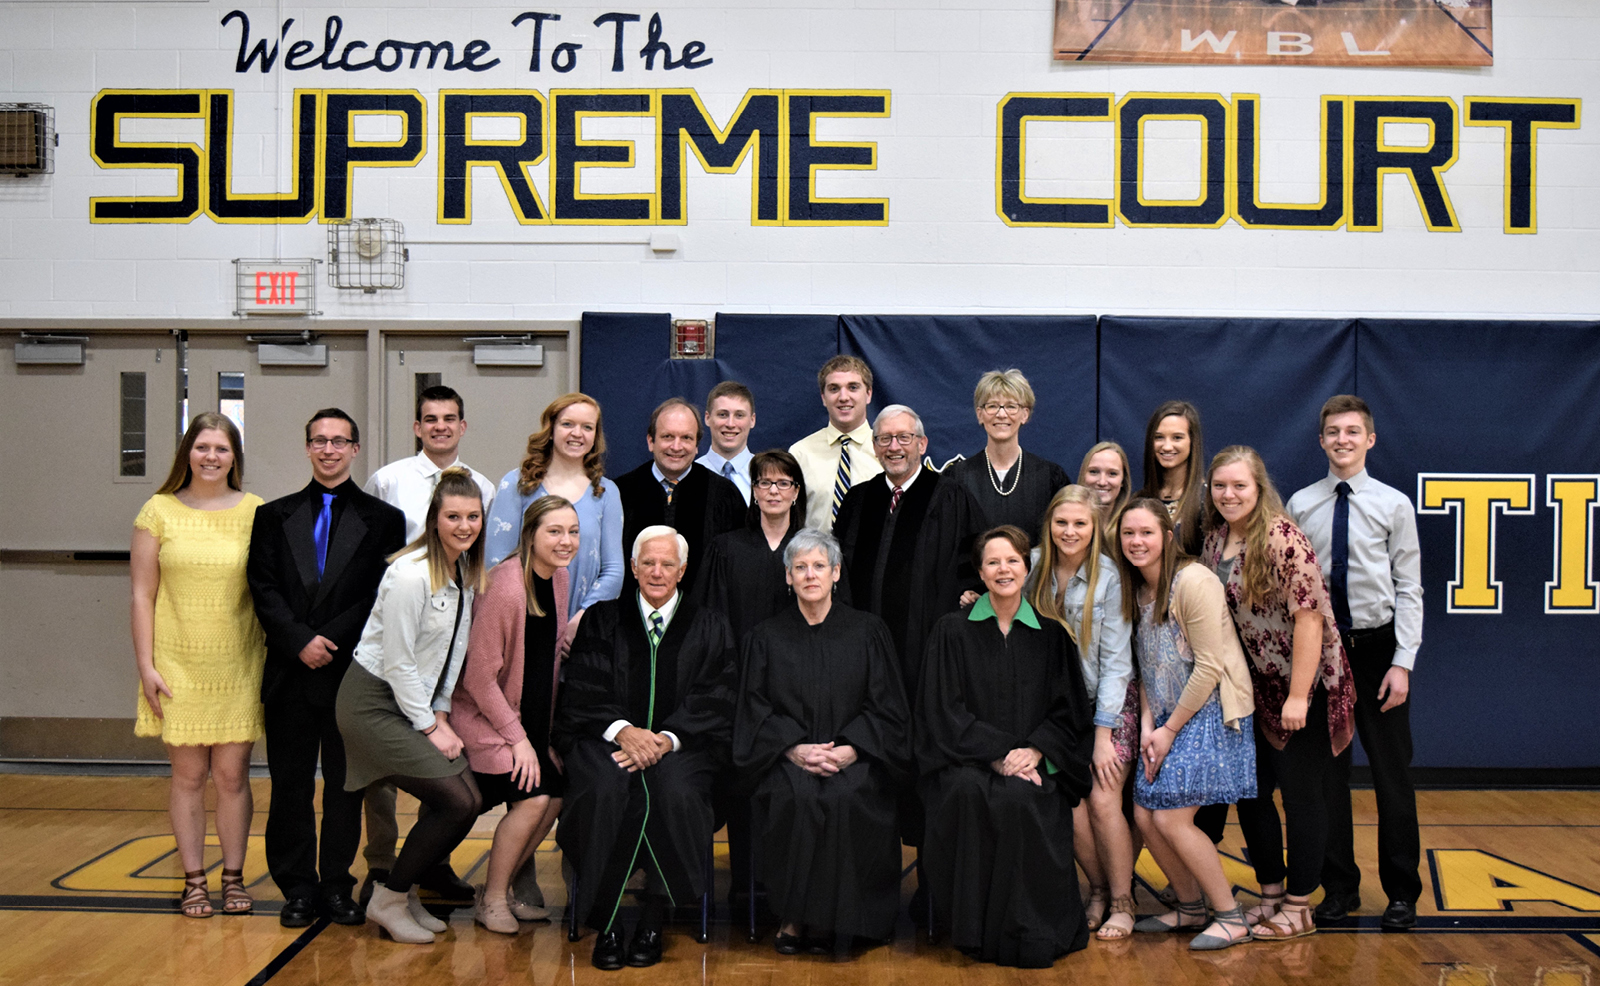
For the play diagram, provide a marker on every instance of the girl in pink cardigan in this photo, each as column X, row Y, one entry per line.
column 503, row 707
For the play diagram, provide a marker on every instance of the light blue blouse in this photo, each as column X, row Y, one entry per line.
column 597, row 569
column 1108, row 658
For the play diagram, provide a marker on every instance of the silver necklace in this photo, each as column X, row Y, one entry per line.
column 994, row 476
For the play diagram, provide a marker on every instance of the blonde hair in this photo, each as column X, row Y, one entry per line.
column 455, row 481
column 181, row 472
column 537, row 511
column 1255, row 577
column 1111, row 511
column 1010, row 383
column 542, row 446
column 1049, row 603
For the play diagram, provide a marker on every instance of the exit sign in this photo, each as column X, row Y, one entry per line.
column 276, row 287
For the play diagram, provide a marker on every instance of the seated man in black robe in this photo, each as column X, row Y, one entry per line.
column 823, row 735
column 1004, row 738
column 674, row 490
column 906, row 538
column 643, row 722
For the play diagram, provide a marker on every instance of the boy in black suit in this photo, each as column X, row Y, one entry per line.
column 316, row 558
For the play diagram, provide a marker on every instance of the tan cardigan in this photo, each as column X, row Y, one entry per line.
column 1201, row 609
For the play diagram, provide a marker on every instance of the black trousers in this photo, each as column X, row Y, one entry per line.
column 297, row 732
column 1386, row 738
column 1300, row 771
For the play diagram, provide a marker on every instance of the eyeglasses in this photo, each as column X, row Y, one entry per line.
column 904, row 441
column 1010, row 409
column 340, row 444
column 783, row 485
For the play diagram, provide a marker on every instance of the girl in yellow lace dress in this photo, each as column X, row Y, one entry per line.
column 199, row 649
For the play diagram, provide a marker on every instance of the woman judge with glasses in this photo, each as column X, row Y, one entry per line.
column 1011, row 486
column 743, row 574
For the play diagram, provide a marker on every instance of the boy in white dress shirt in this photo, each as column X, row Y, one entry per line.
column 730, row 416
column 1365, row 536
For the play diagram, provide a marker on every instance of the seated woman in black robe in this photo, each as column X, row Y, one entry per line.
column 822, row 733
column 1004, row 742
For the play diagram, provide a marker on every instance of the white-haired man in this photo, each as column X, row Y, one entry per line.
column 644, row 725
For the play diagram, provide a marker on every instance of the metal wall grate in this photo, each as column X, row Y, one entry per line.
column 27, row 139
column 367, row 254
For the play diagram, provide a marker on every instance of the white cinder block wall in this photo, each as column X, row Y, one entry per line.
column 947, row 66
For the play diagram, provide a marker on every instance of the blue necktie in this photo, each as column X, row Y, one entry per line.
column 670, row 486
column 319, row 532
column 1339, row 570
column 728, row 471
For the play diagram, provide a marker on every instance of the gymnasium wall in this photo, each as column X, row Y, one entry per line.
column 917, row 183
column 910, row 208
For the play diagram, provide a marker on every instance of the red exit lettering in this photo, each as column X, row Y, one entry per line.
column 276, row 287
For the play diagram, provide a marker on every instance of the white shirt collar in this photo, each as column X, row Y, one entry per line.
column 1356, row 482
column 661, row 477
column 907, row 484
column 428, row 467
column 667, row 610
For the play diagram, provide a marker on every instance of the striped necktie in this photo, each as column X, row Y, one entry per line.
column 841, row 482
column 669, row 485
column 657, row 627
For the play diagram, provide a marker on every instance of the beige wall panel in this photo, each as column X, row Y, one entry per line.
column 67, row 649
column 277, row 402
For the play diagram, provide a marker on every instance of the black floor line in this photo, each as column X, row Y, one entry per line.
column 286, row 956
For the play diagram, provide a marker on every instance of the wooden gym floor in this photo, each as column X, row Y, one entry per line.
column 88, row 880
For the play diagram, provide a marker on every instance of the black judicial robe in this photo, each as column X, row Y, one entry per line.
column 828, row 848
column 743, row 579
column 909, row 568
column 1025, row 506
column 614, row 822
column 997, row 852
column 703, row 506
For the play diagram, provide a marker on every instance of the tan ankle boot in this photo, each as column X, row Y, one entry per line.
column 388, row 909
column 420, row 914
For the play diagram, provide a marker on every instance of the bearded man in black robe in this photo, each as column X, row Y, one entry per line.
column 643, row 723
column 823, row 735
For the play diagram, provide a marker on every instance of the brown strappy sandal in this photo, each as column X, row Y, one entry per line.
column 196, row 899
column 235, row 898
column 1293, row 920
column 1112, row 929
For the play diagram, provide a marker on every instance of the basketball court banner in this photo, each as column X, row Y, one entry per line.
column 1367, row 33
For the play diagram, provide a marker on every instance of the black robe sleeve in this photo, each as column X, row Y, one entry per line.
column 943, row 564
column 708, row 676
column 881, row 731
column 761, row 734
column 589, row 700
column 1066, row 734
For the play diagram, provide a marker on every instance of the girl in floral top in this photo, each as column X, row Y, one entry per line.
column 1304, row 694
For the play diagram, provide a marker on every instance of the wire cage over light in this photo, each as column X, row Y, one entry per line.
column 27, row 139
column 367, row 254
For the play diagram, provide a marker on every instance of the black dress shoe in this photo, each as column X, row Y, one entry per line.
column 789, row 944
column 340, row 909
column 442, row 881
column 374, row 877
column 298, row 912
column 645, row 949
column 1400, row 915
column 1336, row 907
column 608, row 950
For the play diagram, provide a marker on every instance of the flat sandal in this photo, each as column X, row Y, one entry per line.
column 1229, row 920
column 196, row 899
column 1122, row 904
column 1095, row 908
column 1186, row 909
column 1293, row 920
column 235, row 898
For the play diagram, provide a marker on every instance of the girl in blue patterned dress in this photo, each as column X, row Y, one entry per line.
column 1196, row 746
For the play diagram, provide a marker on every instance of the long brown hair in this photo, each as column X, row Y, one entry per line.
column 181, row 473
column 542, row 443
column 1109, row 513
column 1173, row 559
column 1187, row 516
column 1255, row 577
column 1048, row 603
column 455, row 481
column 536, row 512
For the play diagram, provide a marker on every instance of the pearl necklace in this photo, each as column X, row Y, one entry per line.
column 994, row 476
